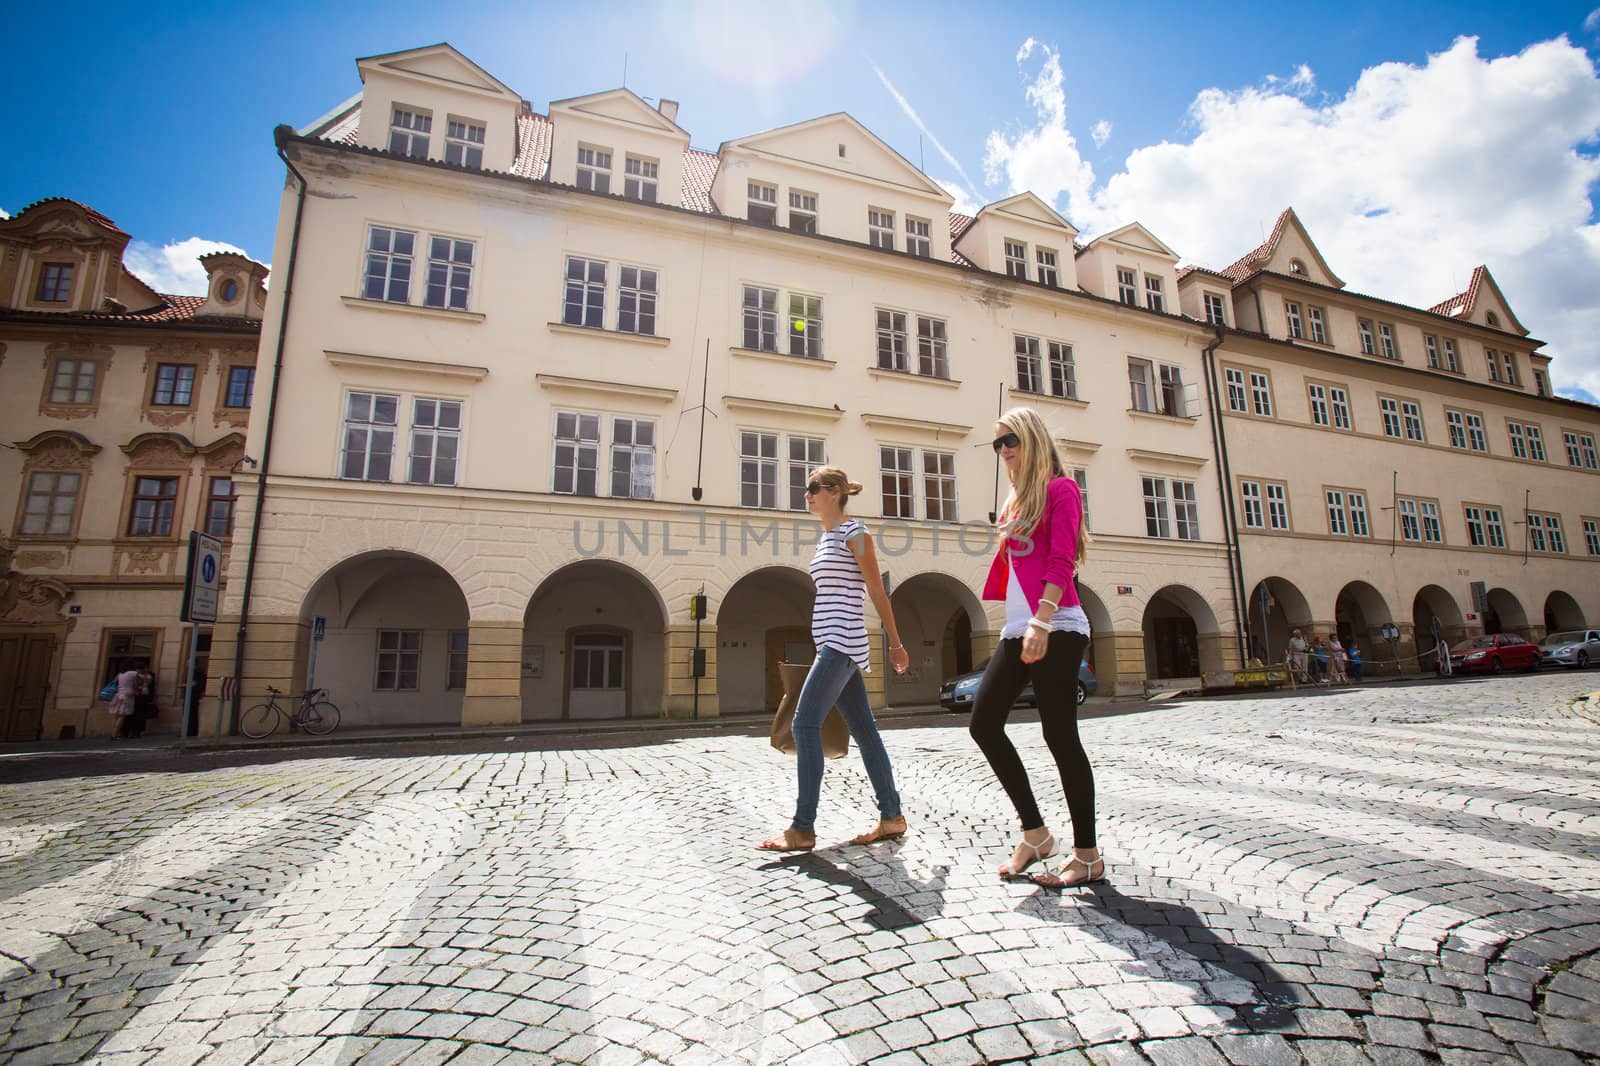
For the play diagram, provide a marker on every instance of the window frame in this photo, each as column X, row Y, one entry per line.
column 417, row 133
column 60, row 281
column 919, row 237
column 587, row 287
column 893, row 340
column 1049, row 273
column 590, row 173
column 641, row 303
column 811, row 336
column 400, row 653
column 1061, row 368
column 802, row 466
column 435, row 432
column 580, row 447
column 370, row 426
column 452, row 268
column 761, row 315
column 640, row 486
column 173, row 517
column 1388, row 342
column 1369, row 336
column 227, row 500
column 1155, row 294
column 1238, row 393
column 803, row 217
column 392, row 259
column 904, row 490
column 762, row 463
column 1261, row 401
column 636, row 184
column 1127, row 286
column 755, row 196
column 933, row 347
column 1591, row 533
column 944, row 508
column 1293, row 321
column 1016, row 258
column 464, row 145
column 1216, row 308
column 28, row 493
column 1027, row 356
column 1583, row 444
column 1147, row 379
column 458, row 660
column 880, row 233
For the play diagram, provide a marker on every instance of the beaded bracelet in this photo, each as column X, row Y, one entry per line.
column 1034, row 623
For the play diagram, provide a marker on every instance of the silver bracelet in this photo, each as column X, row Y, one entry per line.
column 1034, row 623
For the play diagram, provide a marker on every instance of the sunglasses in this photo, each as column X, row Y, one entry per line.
column 1010, row 440
column 813, row 488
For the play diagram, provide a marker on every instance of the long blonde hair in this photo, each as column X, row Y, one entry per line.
column 1037, row 465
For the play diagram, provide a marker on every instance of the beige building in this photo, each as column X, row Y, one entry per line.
column 1394, row 465
column 124, row 414
column 546, row 377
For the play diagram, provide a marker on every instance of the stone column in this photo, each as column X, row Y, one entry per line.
column 1405, row 650
column 984, row 642
column 876, row 696
column 677, row 694
column 1128, row 654
column 494, row 674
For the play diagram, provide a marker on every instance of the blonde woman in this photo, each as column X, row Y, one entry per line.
column 1044, row 638
column 845, row 569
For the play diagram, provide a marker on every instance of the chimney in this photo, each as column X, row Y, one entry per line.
column 669, row 108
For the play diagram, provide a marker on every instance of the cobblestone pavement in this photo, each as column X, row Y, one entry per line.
column 1405, row 875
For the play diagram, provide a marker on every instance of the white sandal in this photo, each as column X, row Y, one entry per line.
column 1058, row 881
column 1041, row 851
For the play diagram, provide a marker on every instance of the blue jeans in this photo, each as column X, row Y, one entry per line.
column 835, row 680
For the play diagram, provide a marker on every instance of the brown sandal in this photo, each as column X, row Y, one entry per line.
column 876, row 833
column 789, row 841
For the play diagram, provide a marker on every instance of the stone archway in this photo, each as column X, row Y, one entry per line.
column 1505, row 613
column 763, row 619
column 1561, row 611
column 929, row 609
column 1181, row 637
column 1360, row 612
column 1101, row 654
column 1277, row 608
column 593, row 645
column 394, row 647
column 1435, row 619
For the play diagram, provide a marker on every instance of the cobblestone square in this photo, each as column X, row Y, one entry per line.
column 1402, row 874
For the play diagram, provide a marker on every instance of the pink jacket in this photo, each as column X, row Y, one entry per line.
column 1046, row 555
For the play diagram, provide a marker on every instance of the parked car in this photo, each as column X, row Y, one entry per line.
column 1571, row 647
column 1492, row 653
column 958, row 693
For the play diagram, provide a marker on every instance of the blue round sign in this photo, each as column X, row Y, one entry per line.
column 208, row 568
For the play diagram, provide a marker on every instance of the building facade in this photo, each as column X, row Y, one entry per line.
column 124, row 413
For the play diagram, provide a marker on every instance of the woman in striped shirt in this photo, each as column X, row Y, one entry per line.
column 844, row 568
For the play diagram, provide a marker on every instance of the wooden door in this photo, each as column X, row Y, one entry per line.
column 24, row 681
column 788, row 644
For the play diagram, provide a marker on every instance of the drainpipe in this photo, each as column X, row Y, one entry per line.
column 1230, row 518
column 280, row 137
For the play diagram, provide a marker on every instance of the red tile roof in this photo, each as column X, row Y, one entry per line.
column 172, row 309
column 699, row 170
column 533, row 145
column 94, row 216
column 1252, row 260
column 1463, row 301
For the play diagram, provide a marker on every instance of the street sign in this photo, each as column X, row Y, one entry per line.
column 319, row 627
column 202, row 580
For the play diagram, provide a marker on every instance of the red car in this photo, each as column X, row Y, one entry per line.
column 1490, row 654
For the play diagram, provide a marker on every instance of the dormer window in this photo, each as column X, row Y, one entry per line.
column 408, row 133
column 228, row 291
column 880, row 228
column 1154, row 298
column 917, row 239
column 1127, row 287
column 55, row 283
column 594, row 169
column 1494, row 319
column 1016, row 260
column 1047, row 268
column 463, row 143
column 1297, row 267
column 639, row 180
column 803, row 212
column 763, row 203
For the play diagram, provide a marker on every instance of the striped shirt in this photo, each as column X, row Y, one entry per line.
column 837, row 620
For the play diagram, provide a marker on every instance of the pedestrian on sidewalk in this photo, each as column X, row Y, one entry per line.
column 1299, row 661
column 1045, row 634
column 144, row 703
column 122, row 704
column 1336, row 668
column 1354, row 654
column 1319, row 661
column 845, row 570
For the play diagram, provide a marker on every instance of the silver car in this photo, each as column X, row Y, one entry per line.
column 1571, row 647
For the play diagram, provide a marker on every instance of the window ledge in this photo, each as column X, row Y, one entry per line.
column 614, row 334
column 1064, row 401
column 409, row 366
column 780, row 357
column 1187, row 420
column 473, row 317
column 885, row 374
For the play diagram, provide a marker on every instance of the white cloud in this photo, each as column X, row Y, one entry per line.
column 966, row 203
column 911, row 113
column 1592, row 22
column 174, row 268
column 1101, row 133
column 4, row 213
column 1415, row 176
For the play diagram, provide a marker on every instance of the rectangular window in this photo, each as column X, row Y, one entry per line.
column 456, row 669
column 1386, row 336
column 802, row 212
column 369, row 428
column 1411, row 415
column 220, row 496
column 594, row 168
column 939, row 486
column 1456, row 422
column 1475, row 533
column 463, row 143
column 1277, row 506
column 1367, row 345
column 1339, row 400
column 892, row 340
column 805, row 321
column 1127, row 287
column 1536, row 532
column 1591, row 535
column 880, row 228
column 1535, row 443
column 1154, row 298
column 52, row 501
column 155, row 500
column 1568, row 438
column 1029, row 371
column 577, row 454
column 760, row 309
column 805, row 455
column 1319, row 328
column 585, row 301
column 1260, row 394
column 408, row 133
column 1580, row 450
column 1357, row 502
column 597, row 662
column 761, row 203
column 174, row 385
column 399, row 665
column 1495, row 526
column 55, row 283
column 388, row 272
column 1081, row 476
column 1047, row 268
column 1338, row 525
column 1510, row 361
column 1519, row 443
column 636, row 301
column 1016, row 260
column 73, row 381
column 633, row 458
column 1410, row 528
column 435, row 441
column 1432, row 530
column 1140, row 385
column 1541, row 382
column 449, row 273
column 241, row 386
column 1452, row 361
column 1255, row 515
column 1391, row 416
column 933, row 359
column 1477, row 440
column 1172, row 399
column 639, row 178
column 1430, row 344
column 894, row 466
column 917, row 240
column 1216, row 310
column 758, row 469
column 1492, row 358
column 1186, row 510
column 1319, row 404
column 1291, row 313
column 1063, row 371
column 1156, row 520
column 1238, row 399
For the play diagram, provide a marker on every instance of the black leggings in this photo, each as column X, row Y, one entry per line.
column 1055, row 687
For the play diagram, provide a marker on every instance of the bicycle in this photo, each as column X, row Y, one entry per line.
column 315, row 715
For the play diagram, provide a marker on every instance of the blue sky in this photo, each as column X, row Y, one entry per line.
column 165, row 122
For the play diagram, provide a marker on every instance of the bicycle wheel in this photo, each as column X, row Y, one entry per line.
column 259, row 721
column 320, row 719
